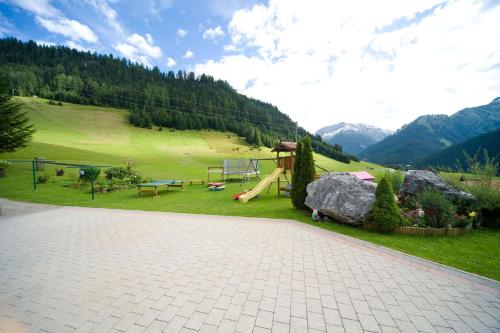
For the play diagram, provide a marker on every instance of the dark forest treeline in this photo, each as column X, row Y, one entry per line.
column 179, row 100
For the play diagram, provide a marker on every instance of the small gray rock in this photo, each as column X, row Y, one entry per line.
column 417, row 181
column 341, row 196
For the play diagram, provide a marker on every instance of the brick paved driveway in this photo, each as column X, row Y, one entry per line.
column 71, row 269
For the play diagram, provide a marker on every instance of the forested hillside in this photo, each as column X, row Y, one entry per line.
column 429, row 134
column 178, row 100
column 453, row 157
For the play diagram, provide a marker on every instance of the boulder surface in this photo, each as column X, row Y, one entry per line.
column 417, row 181
column 341, row 196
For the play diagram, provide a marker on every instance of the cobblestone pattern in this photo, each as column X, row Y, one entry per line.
column 76, row 269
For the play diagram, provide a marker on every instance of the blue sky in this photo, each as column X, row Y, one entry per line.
column 382, row 62
column 175, row 27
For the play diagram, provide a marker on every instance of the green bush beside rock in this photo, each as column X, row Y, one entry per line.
column 385, row 214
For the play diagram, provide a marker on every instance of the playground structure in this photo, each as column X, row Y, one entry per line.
column 246, row 169
column 284, row 167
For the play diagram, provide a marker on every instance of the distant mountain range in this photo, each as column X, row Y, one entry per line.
column 353, row 138
column 432, row 133
column 453, row 157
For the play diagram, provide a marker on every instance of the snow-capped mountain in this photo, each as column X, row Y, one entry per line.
column 353, row 138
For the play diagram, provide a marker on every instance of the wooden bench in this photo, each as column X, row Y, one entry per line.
column 196, row 182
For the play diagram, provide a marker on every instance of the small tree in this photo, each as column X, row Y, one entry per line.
column 15, row 131
column 384, row 215
column 303, row 172
column 296, row 176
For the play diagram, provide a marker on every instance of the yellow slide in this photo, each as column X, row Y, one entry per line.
column 261, row 185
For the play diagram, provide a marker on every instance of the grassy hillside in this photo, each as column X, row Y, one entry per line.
column 90, row 134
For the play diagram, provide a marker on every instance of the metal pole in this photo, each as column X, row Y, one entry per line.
column 92, row 177
column 34, row 175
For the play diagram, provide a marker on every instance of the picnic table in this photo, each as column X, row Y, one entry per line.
column 154, row 185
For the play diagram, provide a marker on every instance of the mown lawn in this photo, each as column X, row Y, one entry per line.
column 94, row 135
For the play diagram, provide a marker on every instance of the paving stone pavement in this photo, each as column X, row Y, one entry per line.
column 73, row 269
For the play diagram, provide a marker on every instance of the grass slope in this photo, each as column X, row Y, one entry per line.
column 86, row 134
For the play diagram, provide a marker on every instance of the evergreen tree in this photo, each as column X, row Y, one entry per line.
column 15, row 130
column 385, row 214
column 303, row 172
column 257, row 140
column 297, row 177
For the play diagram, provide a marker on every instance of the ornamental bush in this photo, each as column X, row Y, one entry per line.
column 127, row 174
column 438, row 211
column 89, row 174
column 42, row 178
column 385, row 214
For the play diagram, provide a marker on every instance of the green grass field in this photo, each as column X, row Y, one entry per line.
column 96, row 135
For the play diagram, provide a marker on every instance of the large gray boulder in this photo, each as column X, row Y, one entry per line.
column 341, row 196
column 417, row 181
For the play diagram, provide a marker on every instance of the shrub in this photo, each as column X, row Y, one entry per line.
column 42, row 178
column 461, row 221
column 438, row 211
column 486, row 195
column 385, row 214
column 4, row 164
column 123, row 173
column 116, row 172
column 89, row 174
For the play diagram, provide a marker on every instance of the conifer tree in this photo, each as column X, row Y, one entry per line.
column 296, row 176
column 384, row 215
column 15, row 130
column 304, row 173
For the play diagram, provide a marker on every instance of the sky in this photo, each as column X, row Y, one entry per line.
column 382, row 63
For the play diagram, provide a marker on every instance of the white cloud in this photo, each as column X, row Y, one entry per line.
column 156, row 7
column 111, row 15
column 181, row 33
column 45, row 43
column 226, row 8
column 171, row 62
column 68, row 28
column 139, row 49
column 188, row 55
column 75, row 45
column 54, row 21
column 213, row 33
column 37, row 7
column 231, row 48
column 327, row 61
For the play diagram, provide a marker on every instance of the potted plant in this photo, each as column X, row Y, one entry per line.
column 3, row 166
